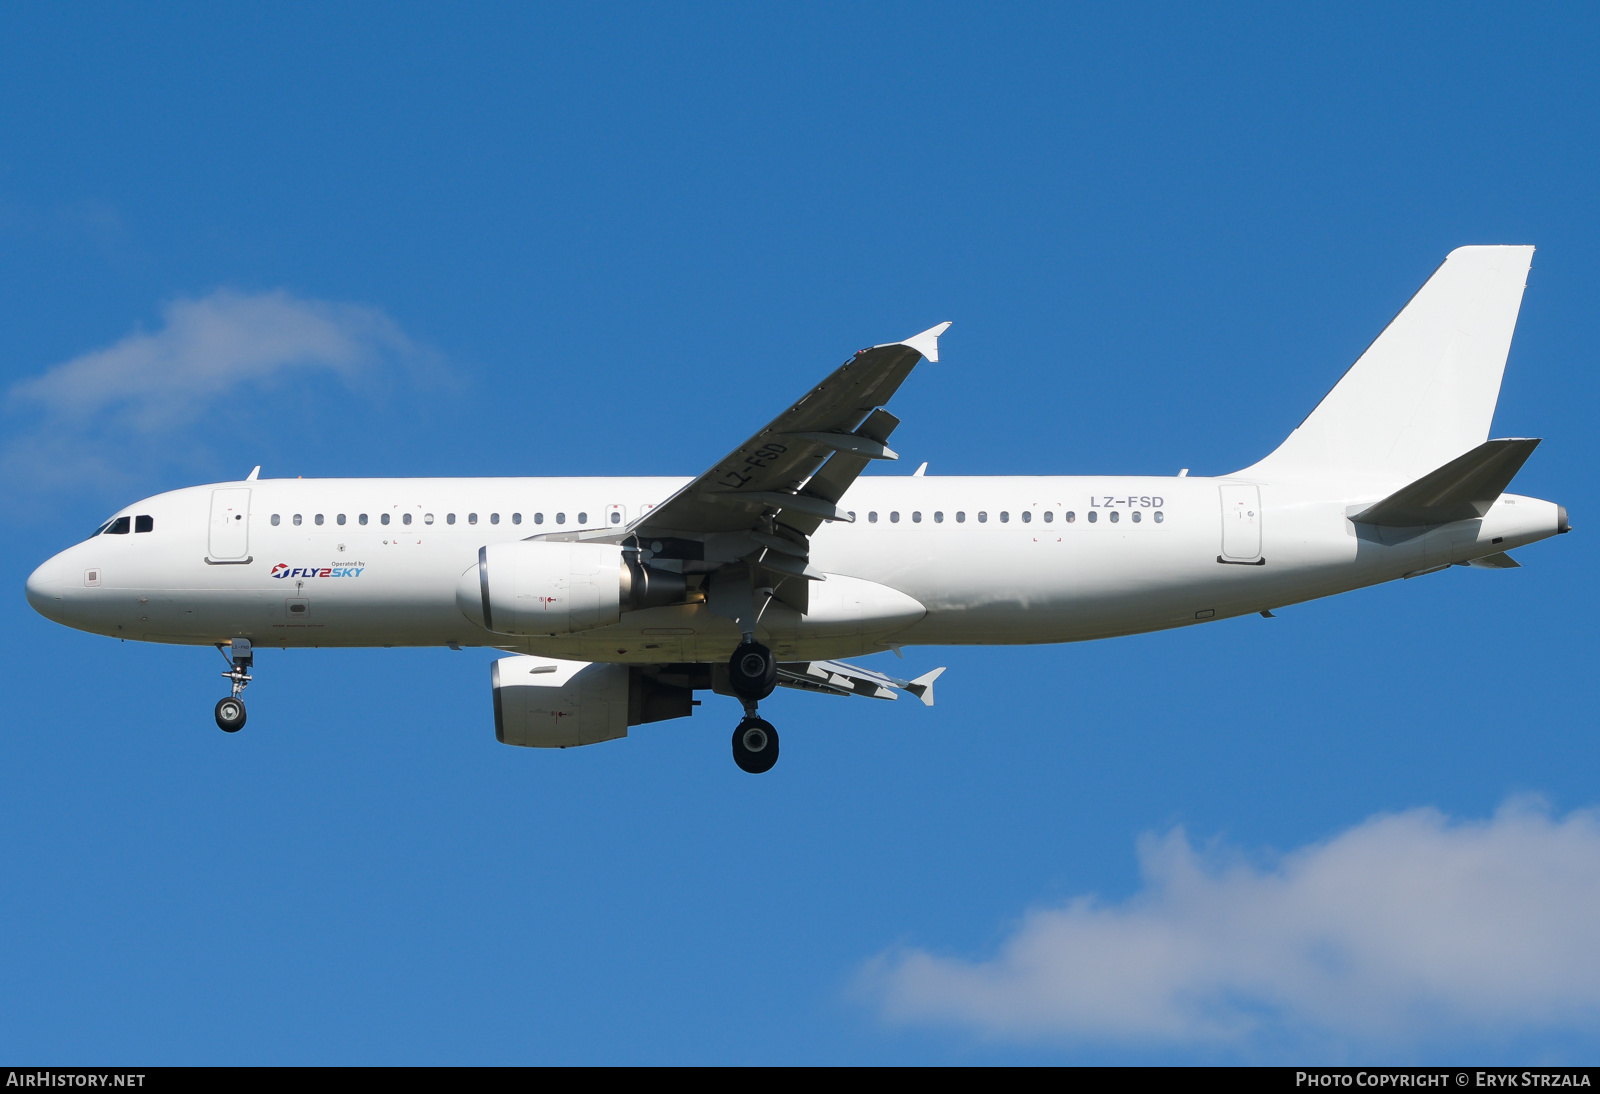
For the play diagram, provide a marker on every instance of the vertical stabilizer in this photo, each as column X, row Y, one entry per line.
column 1424, row 392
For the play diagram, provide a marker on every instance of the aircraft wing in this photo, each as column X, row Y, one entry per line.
column 794, row 471
column 838, row 678
column 759, row 505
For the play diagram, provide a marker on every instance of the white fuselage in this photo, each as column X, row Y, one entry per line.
column 928, row 560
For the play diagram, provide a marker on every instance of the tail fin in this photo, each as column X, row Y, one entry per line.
column 1424, row 392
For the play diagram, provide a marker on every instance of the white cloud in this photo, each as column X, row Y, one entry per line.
column 208, row 347
column 1400, row 930
column 88, row 416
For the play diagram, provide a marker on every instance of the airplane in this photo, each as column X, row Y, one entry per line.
column 617, row 599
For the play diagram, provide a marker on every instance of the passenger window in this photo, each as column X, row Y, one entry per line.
column 1049, row 515
column 381, row 520
column 852, row 516
column 1005, row 517
column 1093, row 516
column 362, row 519
column 319, row 520
column 516, row 518
column 340, row 519
column 538, row 518
column 961, row 518
column 144, row 524
column 276, row 520
column 894, row 517
column 297, row 520
column 449, row 518
column 1071, row 516
column 427, row 518
column 119, row 527
column 916, row 518
column 1027, row 516
column 1136, row 516
column 983, row 516
column 1115, row 516
column 616, row 517
column 472, row 518
column 1158, row 516
column 938, row 516
column 872, row 517
column 583, row 518
column 405, row 518
column 494, row 518
column 561, row 518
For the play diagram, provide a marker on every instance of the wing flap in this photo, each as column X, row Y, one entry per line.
column 782, row 460
column 835, row 477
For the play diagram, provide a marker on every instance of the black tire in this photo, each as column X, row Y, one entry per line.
column 755, row 745
column 230, row 714
column 752, row 671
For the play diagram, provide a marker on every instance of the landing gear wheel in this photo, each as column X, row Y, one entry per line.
column 755, row 745
column 230, row 714
column 752, row 671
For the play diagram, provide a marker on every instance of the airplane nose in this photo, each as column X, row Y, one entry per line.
column 45, row 588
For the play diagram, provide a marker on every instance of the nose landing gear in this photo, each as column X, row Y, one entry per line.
column 230, row 710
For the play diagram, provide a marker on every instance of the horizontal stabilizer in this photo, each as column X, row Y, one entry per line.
column 1500, row 561
column 1462, row 489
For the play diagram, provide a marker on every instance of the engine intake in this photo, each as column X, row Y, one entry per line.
column 536, row 587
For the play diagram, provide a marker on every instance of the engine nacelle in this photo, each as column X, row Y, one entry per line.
column 538, row 587
column 545, row 702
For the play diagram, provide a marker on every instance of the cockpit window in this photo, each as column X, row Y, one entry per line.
column 144, row 524
column 119, row 527
column 100, row 531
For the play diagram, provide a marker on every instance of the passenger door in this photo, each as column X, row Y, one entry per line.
column 1241, row 522
column 230, row 526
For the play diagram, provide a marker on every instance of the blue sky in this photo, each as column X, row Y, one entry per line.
column 413, row 240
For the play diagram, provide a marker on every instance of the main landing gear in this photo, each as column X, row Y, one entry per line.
column 752, row 674
column 230, row 710
column 755, row 745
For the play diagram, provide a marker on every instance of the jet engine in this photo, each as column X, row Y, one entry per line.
column 544, row 702
column 539, row 587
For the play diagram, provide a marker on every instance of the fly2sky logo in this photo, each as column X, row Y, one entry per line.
column 282, row 570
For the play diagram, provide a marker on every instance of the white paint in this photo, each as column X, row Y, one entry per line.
column 928, row 560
